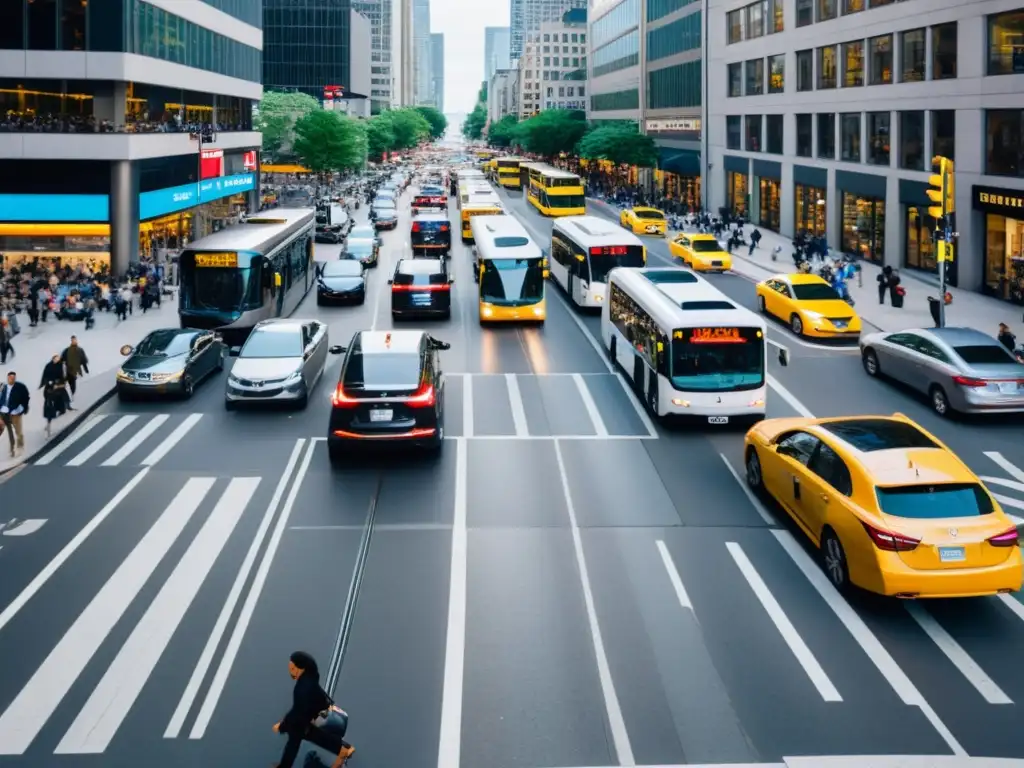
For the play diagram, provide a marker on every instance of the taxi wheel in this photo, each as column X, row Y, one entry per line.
column 796, row 325
column 755, row 477
column 187, row 387
column 762, row 307
column 833, row 560
column 940, row 402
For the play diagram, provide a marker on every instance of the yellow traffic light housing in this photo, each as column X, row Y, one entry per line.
column 943, row 188
column 949, row 187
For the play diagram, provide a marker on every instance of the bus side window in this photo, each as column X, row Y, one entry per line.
column 663, row 349
column 582, row 267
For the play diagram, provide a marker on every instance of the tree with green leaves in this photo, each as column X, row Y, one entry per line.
column 438, row 122
column 278, row 113
column 553, row 131
column 503, row 133
column 473, row 126
column 380, row 135
column 410, row 128
column 620, row 143
column 328, row 141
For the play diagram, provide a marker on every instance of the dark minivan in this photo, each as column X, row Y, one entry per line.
column 421, row 288
column 430, row 235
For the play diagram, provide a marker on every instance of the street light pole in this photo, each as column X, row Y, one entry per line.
column 705, row 143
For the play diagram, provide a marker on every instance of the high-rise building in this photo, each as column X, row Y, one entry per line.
column 553, row 71
column 527, row 16
column 496, row 50
column 307, row 45
column 128, row 128
column 382, row 74
column 437, row 71
column 422, row 58
column 404, row 53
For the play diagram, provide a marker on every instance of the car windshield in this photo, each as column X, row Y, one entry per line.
column 984, row 354
column 360, row 247
column 166, row 343
column 361, row 232
column 342, row 268
column 935, row 502
column 726, row 366
column 385, row 203
column 653, row 215
column 814, row 292
column 512, row 282
column 273, row 343
column 706, row 246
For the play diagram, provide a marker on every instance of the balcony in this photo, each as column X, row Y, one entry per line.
column 114, row 146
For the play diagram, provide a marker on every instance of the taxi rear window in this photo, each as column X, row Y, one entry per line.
column 868, row 435
column 420, row 278
column 935, row 502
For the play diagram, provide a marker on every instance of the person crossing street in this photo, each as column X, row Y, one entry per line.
column 14, row 398
column 76, row 362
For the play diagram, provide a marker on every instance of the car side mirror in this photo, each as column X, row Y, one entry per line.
column 783, row 357
column 218, row 338
column 390, row 281
column 235, row 351
column 126, row 350
column 337, row 349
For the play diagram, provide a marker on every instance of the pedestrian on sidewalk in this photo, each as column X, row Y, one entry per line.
column 1006, row 338
column 76, row 362
column 884, row 281
column 55, row 396
column 14, row 399
column 6, row 334
column 755, row 238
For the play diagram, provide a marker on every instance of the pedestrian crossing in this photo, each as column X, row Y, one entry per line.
column 113, row 440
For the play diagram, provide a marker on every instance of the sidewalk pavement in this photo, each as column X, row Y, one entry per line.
column 973, row 310
column 102, row 343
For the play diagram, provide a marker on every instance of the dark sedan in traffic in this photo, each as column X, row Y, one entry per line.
column 341, row 282
column 363, row 251
column 170, row 361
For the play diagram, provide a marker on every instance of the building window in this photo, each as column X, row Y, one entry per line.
column 944, row 51
column 675, row 86
column 1005, row 32
column 755, row 19
column 42, row 25
column 734, row 132
column 810, row 210
column 12, row 31
column 912, row 52
column 880, row 3
column 72, row 25
column 736, row 79
column 912, row 141
column 752, row 140
column 777, row 73
column 827, row 61
column 864, row 227
column 827, row 9
column 1003, row 140
column 804, row 13
column 615, row 100
column 778, row 17
column 736, row 193
column 734, row 26
column 852, row 6
column 879, row 137
column 769, row 204
column 773, row 134
column 805, row 70
column 826, row 136
column 944, row 133
column 755, row 77
column 676, row 37
column 804, row 136
column 853, row 64
column 849, row 127
column 920, row 245
column 880, row 64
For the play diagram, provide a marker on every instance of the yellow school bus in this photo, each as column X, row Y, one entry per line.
column 488, row 207
column 508, row 172
column 551, row 191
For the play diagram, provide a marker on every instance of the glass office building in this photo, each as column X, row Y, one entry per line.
column 307, row 45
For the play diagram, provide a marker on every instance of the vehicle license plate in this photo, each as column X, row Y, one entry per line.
column 381, row 414
column 718, row 419
column 952, row 554
column 652, row 228
column 1008, row 387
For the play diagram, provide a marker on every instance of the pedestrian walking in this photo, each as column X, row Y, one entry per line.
column 55, row 395
column 6, row 334
column 1006, row 338
column 313, row 716
column 14, row 397
column 884, row 279
column 76, row 362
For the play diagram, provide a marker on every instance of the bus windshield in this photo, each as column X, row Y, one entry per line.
column 512, row 282
column 219, row 290
column 604, row 259
column 717, row 360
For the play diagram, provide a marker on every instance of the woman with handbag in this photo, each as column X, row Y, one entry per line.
column 313, row 716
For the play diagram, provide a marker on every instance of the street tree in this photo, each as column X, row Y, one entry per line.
column 473, row 126
column 328, row 141
column 503, row 133
column 380, row 135
column 619, row 143
column 410, row 128
column 278, row 113
column 438, row 122
column 553, row 131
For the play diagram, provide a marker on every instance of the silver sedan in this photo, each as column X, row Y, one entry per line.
column 959, row 369
column 282, row 360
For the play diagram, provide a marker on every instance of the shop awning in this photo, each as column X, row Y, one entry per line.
column 682, row 162
column 286, row 168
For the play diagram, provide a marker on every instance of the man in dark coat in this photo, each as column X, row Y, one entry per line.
column 14, row 399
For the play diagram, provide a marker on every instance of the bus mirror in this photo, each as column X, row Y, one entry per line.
column 126, row 350
column 783, row 357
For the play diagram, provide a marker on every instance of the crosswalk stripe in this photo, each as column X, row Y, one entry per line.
column 137, row 439
column 36, row 703
column 103, row 440
column 1008, row 466
column 588, row 402
column 69, row 441
column 515, row 399
column 111, row 700
column 172, row 440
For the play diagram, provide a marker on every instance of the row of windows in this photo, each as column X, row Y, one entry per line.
column 811, row 11
column 764, row 17
column 676, row 86
column 567, row 61
column 619, row 54
column 243, row 10
column 681, row 35
column 624, row 16
column 659, row 9
column 639, row 328
column 615, row 100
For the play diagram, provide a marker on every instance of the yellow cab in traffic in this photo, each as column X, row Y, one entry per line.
column 891, row 509
column 643, row 221
column 702, row 253
column 809, row 305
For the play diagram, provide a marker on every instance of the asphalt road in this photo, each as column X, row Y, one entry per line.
column 568, row 585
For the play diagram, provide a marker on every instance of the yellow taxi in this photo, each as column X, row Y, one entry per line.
column 702, row 253
column 810, row 305
column 891, row 509
column 643, row 221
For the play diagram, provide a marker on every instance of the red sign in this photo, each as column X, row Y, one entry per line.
column 717, row 336
column 334, row 92
column 249, row 160
column 211, row 165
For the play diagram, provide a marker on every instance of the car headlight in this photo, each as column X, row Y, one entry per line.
column 294, row 378
column 538, row 311
column 122, row 376
column 486, row 311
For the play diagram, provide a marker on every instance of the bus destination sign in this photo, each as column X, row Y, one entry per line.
column 718, row 335
column 229, row 260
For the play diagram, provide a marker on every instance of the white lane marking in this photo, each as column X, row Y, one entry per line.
column 18, row 527
column 102, row 441
column 449, row 751
column 1014, row 605
column 38, row 700
column 71, row 439
column 789, row 397
column 673, row 576
column 616, row 722
column 1008, row 466
column 553, row 437
column 1011, row 484
column 136, row 440
column 220, row 677
column 960, row 659
column 789, row 633
column 515, row 398
column 637, row 406
column 188, row 697
column 54, row 565
column 172, row 440
column 588, row 402
column 467, row 406
column 1008, row 501
column 111, row 700
column 754, row 501
column 866, row 639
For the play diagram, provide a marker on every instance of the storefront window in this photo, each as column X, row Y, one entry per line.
column 849, row 127
column 864, row 227
column 920, row 242
column 1003, row 135
column 944, row 51
column 734, row 132
column 774, row 131
column 752, row 140
column 912, row 141
column 944, row 133
column 736, row 79
column 755, row 77
column 737, row 193
column 827, row 135
column 912, row 53
column 805, row 70
column 777, row 73
column 769, row 204
column 881, row 60
column 685, row 189
column 878, row 138
column 853, row 64
column 827, row 61
column 804, row 136
column 1005, row 32
column 1004, row 258
column 811, row 208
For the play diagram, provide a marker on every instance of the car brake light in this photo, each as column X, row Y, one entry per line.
column 968, row 381
column 415, row 226
column 341, row 400
column 424, row 397
column 1008, row 539
column 889, row 541
column 420, row 288
column 444, row 227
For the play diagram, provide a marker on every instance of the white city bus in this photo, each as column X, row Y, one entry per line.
column 689, row 349
column 584, row 249
column 510, row 269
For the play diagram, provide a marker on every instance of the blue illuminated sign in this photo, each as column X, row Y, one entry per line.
column 63, row 208
column 215, row 189
column 164, row 201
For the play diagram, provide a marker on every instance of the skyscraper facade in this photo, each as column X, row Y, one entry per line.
column 527, row 16
column 496, row 50
column 437, row 71
column 307, row 45
column 382, row 75
column 422, row 59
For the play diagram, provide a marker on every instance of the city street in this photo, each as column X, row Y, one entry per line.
column 568, row 585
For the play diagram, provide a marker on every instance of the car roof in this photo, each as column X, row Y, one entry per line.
column 280, row 325
column 645, row 208
column 420, row 266
column 430, row 216
column 698, row 236
column 958, row 337
column 390, row 342
column 799, row 278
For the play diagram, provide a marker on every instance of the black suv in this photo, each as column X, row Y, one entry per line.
column 421, row 288
column 391, row 390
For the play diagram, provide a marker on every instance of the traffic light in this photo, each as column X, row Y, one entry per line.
column 943, row 189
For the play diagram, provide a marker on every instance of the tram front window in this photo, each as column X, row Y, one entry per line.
column 220, row 290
